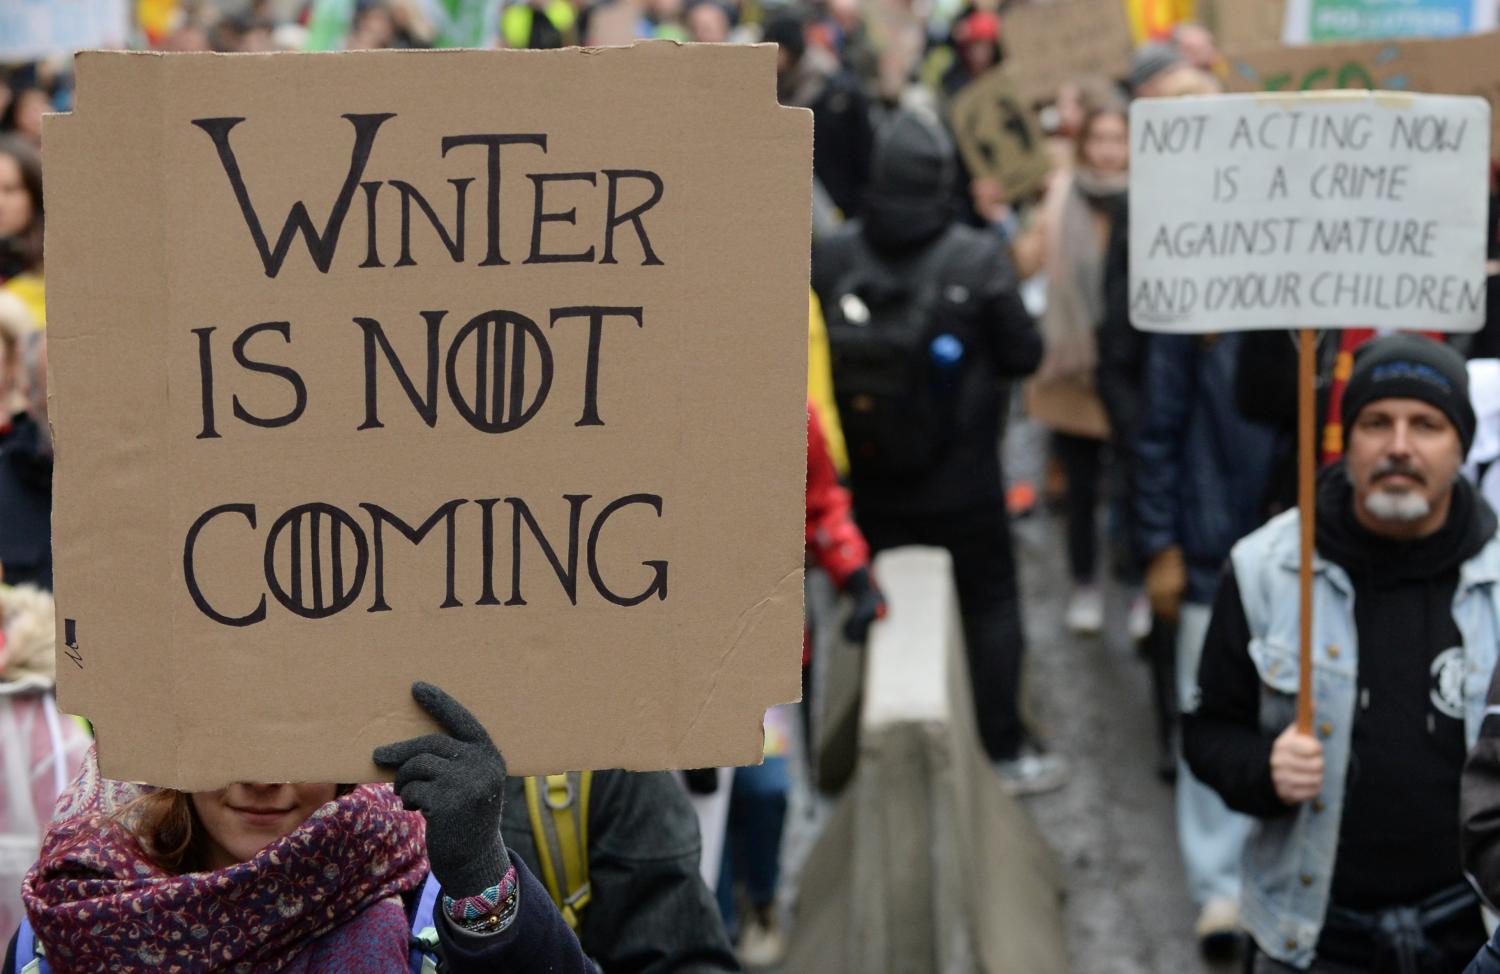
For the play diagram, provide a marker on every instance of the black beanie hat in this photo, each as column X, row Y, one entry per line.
column 1410, row 367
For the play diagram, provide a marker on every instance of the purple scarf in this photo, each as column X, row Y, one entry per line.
column 323, row 899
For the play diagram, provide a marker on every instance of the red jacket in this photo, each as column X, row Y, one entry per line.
column 833, row 539
column 832, row 536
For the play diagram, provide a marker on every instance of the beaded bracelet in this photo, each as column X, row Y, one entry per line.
column 472, row 912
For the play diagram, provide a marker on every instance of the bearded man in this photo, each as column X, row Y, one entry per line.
column 1353, row 863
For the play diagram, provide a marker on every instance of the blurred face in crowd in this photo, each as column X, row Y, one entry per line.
column 1196, row 45
column 1106, row 144
column 256, row 40
column 979, row 56
column 1070, row 109
column 16, row 209
column 846, row 12
column 31, row 105
column 1402, row 459
column 666, row 11
column 243, row 819
column 375, row 29
column 189, row 37
column 708, row 24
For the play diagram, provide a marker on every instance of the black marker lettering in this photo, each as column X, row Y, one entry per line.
column 567, row 576
column 206, row 381
column 299, row 388
column 632, row 216
column 320, row 246
column 379, row 516
column 596, row 315
column 540, row 216
column 506, row 378
column 492, row 144
column 190, row 573
column 454, row 243
column 658, row 586
column 426, row 406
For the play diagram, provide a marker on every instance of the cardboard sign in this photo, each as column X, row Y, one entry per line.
column 999, row 136
column 1051, row 43
column 1324, row 21
column 451, row 366
column 1330, row 210
column 1461, row 66
column 1241, row 26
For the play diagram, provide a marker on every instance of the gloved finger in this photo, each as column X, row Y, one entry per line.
column 449, row 713
column 397, row 754
column 420, row 796
column 423, row 767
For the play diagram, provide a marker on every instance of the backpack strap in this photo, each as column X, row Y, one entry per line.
column 559, row 808
column 422, row 956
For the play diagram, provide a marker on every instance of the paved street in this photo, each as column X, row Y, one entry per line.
column 1112, row 827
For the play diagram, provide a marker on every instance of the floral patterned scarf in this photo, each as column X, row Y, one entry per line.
column 323, row 899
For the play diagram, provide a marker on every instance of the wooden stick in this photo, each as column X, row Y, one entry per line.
column 1307, row 469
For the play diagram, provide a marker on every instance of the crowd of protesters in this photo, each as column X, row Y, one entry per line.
column 941, row 305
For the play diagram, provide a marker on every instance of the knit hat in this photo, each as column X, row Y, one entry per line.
column 1410, row 367
column 913, row 171
column 1151, row 60
column 981, row 25
column 788, row 30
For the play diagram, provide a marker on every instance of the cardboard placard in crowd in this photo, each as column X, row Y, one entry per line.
column 999, row 136
column 485, row 368
column 1047, row 44
column 1457, row 66
column 1318, row 210
column 1240, row 26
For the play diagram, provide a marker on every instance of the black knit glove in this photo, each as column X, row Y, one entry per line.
column 869, row 605
column 457, row 781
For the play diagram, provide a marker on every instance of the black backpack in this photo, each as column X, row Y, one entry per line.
column 898, row 406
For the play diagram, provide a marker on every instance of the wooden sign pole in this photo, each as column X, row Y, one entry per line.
column 1307, row 468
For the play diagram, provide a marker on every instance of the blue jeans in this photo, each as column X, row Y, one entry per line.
column 1212, row 838
column 752, row 842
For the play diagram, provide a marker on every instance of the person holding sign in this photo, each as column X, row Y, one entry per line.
column 297, row 877
column 1354, row 862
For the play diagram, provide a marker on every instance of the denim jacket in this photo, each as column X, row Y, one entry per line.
column 1288, row 864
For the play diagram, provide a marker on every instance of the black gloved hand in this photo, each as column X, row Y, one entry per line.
column 869, row 605
column 457, row 781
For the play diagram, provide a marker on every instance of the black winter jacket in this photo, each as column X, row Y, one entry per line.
column 650, row 912
column 1200, row 467
column 990, row 320
column 25, row 506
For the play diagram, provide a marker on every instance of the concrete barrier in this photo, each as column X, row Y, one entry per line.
column 925, row 865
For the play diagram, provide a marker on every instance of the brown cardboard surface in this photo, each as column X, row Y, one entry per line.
column 1047, row 44
column 1457, row 66
column 153, row 270
column 1241, row 26
column 1069, row 406
column 998, row 134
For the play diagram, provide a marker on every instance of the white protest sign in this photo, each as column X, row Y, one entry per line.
column 1315, row 210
